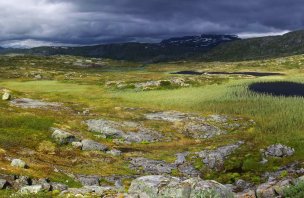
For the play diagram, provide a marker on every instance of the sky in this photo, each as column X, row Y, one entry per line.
column 31, row 23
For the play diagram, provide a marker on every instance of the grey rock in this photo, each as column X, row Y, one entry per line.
column 170, row 116
column 4, row 184
column 44, row 183
column 63, row 137
column 181, row 158
column 90, row 145
column 188, row 170
column 202, row 130
column 58, row 186
column 114, row 152
column 19, row 163
column 21, row 181
column 218, row 118
column 31, row 189
column 32, row 104
column 105, row 127
column 88, row 180
column 279, row 150
column 77, row 191
column 166, row 186
column 151, row 166
column 246, row 194
column 266, row 190
column 242, row 185
column 111, row 129
column 215, row 159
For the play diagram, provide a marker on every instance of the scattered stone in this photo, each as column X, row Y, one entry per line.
column 63, row 137
column 6, row 96
column 166, row 186
column 31, row 189
column 19, row 163
column 33, row 104
column 279, row 150
column 114, row 152
column 214, row 159
column 90, row 145
column 88, row 180
column 151, row 166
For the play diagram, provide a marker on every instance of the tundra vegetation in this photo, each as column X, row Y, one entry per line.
column 209, row 125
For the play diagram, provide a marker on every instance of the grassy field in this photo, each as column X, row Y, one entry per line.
column 278, row 119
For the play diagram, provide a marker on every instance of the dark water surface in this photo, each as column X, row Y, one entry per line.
column 283, row 88
column 238, row 73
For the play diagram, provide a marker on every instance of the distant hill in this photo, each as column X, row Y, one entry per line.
column 203, row 47
column 258, row 48
column 170, row 49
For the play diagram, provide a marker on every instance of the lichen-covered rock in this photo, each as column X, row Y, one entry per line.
column 31, row 189
column 170, row 116
column 172, row 187
column 246, row 194
column 279, row 150
column 77, row 145
column 215, row 159
column 90, row 145
column 63, row 137
column 116, row 130
column 151, row 166
column 181, row 158
column 6, row 96
column 19, row 163
column 266, row 190
column 202, row 130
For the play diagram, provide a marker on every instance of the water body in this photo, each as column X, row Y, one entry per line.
column 282, row 88
column 230, row 73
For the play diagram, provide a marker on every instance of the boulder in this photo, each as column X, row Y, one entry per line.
column 21, row 181
column 266, row 190
column 108, row 128
column 90, row 145
column 63, row 137
column 31, row 189
column 19, row 163
column 181, row 158
column 6, row 96
column 279, row 150
column 166, row 186
column 246, row 194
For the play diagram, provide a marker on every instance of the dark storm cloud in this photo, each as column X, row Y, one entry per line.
column 99, row 21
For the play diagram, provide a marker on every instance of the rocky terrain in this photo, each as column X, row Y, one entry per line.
column 73, row 131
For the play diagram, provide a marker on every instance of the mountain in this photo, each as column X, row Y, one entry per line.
column 170, row 49
column 258, row 48
column 203, row 48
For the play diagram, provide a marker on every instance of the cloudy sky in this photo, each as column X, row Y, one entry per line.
column 82, row 22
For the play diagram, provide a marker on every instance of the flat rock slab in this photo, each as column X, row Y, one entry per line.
column 215, row 159
column 28, row 103
column 117, row 130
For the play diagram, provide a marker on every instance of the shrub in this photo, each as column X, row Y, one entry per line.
column 296, row 191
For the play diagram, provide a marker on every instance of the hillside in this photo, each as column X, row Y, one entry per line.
column 259, row 48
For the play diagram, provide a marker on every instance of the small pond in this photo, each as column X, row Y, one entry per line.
column 230, row 73
column 282, row 88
